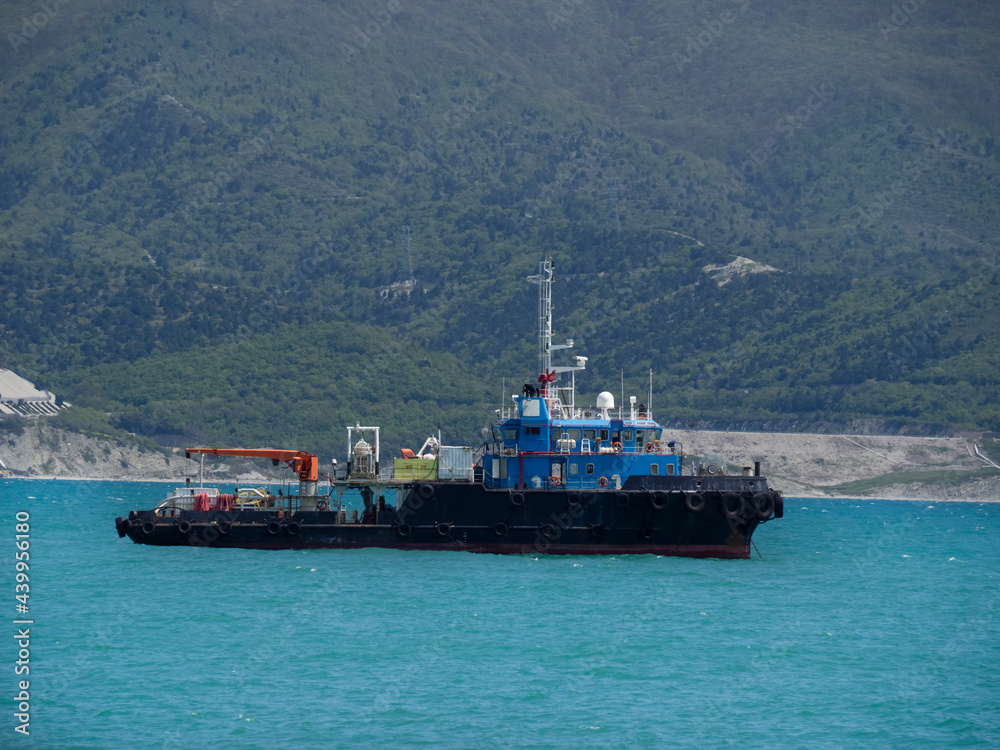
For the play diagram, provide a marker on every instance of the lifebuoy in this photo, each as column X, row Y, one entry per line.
column 500, row 529
column 616, row 446
column 650, row 447
column 403, row 529
column 658, row 500
column 517, row 499
column 148, row 527
column 425, row 491
column 273, row 528
column 294, row 527
column 184, row 527
column 554, row 480
column 444, row 529
column 763, row 503
column 695, row 502
column 225, row 527
column 322, row 505
column 734, row 506
column 602, row 482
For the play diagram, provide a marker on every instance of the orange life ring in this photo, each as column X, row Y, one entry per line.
column 554, row 480
column 602, row 482
column 616, row 446
column 650, row 447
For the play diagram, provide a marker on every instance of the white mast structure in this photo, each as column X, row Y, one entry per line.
column 557, row 407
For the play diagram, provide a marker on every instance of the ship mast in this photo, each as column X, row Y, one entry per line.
column 545, row 346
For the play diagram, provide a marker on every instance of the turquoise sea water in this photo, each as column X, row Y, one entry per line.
column 866, row 624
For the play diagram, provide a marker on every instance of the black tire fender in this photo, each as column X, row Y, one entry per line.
column 294, row 527
column 443, row 529
column 733, row 506
column 500, row 529
column 695, row 502
column 426, row 491
column 517, row 499
column 148, row 527
column 763, row 504
column 403, row 529
column 184, row 527
column 273, row 527
column 621, row 499
column 658, row 500
column 225, row 527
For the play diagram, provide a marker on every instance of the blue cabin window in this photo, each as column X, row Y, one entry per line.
column 574, row 469
column 654, row 469
column 604, row 435
column 670, row 469
column 573, row 435
column 590, row 468
column 531, row 408
column 628, row 436
column 640, row 435
column 510, row 433
column 532, row 430
column 590, row 435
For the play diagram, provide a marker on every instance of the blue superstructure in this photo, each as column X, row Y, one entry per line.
column 545, row 441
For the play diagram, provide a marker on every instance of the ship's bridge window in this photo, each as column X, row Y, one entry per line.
column 653, row 435
column 654, row 469
column 640, row 436
column 604, row 435
column 590, row 434
column 531, row 407
column 590, row 468
column 510, row 433
column 628, row 436
column 532, row 430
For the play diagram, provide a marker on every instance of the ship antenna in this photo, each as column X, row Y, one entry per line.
column 544, row 281
column 649, row 402
column 622, row 402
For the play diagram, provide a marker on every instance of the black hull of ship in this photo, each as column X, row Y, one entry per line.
column 676, row 516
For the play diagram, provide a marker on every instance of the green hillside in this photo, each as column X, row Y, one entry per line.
column 202, row 210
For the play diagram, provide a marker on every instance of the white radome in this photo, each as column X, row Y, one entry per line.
column 605, row 400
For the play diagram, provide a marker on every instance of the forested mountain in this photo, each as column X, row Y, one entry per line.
column 249, row 222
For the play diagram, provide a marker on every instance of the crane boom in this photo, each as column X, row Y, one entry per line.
column 306, row 465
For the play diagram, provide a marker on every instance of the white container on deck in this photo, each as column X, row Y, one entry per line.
column 455, row 462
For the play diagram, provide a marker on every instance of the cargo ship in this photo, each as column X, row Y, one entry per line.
column 554, row 478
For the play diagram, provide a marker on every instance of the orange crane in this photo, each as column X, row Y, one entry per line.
column 306, row 465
